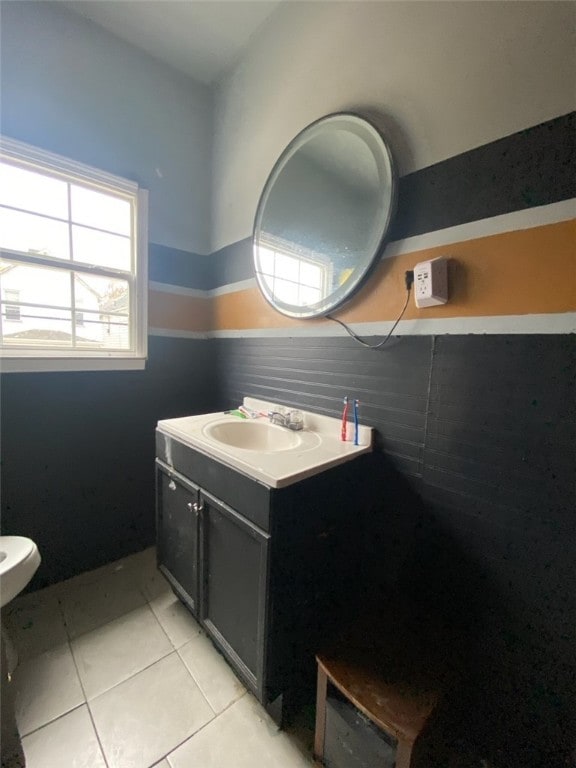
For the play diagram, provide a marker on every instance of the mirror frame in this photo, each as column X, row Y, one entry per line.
column 336, row 298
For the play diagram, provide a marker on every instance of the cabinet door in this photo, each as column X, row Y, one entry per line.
column 234, row 587
column 177, row 533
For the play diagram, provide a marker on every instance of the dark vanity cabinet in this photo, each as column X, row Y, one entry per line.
column 177, row 537
column 267, row 572
column 234, row 582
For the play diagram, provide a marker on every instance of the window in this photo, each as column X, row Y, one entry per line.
column 73, row 258
column 294, row 275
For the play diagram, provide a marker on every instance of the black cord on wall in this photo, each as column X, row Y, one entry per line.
column 409, row 280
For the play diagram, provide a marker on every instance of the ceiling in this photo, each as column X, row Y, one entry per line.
column 202, row 38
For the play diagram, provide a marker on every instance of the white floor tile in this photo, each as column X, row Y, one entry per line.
column 113, row 653
column 91, row 605
column 241, row 737
column 139, row 569
column 154, row 585
column 214, row 676
column 69, row 742
column 146, row 701
column 35, row 623
column 176, row 620
column 46, row 687
column 149, row 579
column 139, row 561
column 142, row 719
column 97, row 574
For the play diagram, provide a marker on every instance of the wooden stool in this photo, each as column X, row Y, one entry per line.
column 394, row 705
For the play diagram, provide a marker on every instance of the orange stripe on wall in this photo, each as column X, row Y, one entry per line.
column 175, row 312
column 529, row 271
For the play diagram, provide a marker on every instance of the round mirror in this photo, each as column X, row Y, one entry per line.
column 323, row 216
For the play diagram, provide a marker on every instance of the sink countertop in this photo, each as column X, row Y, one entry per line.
column 320, row 449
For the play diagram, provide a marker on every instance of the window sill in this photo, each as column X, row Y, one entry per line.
column 60, row 364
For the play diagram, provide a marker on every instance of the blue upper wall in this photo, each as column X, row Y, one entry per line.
column 72, row 88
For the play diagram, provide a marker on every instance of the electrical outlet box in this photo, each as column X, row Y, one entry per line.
column 431, row 282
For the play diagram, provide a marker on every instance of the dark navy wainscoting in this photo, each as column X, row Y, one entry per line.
column 526, row 169
column 477, row 492
column 78, row 454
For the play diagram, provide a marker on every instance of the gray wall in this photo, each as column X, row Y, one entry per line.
column 446, row 76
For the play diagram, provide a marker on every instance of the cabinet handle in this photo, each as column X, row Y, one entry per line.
column 195, row 507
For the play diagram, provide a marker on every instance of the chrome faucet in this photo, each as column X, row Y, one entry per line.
column 289, row 419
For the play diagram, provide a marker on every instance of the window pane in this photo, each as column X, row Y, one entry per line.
column 309, row 295
column 101, row 308
column 105, row 306
column 48, row 329
column 38, row 326
column 310, row 274
column 286, row 291
column 101, row 293
column 34, row 285
column 104, row 332
column 287, row 267
column 97, row 209
column 33, row 234
column 93, row 247
column 50, row 326
column 266, row 260
column 32, row 191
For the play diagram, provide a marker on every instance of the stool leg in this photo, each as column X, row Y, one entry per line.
column 321, row 691
column 404, row 754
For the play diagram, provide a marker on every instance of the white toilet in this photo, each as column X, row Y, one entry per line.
column 19, row 561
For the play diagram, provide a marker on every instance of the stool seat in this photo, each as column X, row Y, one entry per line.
column 396, row 707
column 387, row 667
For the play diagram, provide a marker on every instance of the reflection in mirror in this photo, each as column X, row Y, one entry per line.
column 323, row 216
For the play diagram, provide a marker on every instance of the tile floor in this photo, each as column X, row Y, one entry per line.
column 115, row 673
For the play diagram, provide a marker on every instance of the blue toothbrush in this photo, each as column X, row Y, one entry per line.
column 356, row 422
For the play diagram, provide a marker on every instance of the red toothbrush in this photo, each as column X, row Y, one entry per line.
column 344, row 432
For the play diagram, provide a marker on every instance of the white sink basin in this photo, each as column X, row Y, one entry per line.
column 253, row 435
column 271, row 454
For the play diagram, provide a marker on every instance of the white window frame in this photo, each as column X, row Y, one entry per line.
column 37, row 360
